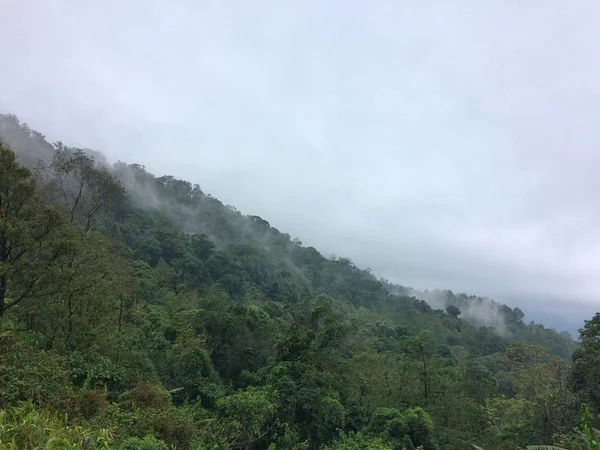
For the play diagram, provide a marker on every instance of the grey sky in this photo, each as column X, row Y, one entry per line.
column 442, row 144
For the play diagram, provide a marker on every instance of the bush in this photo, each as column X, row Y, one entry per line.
column 174, row 426
column 356, row 441
column 149, row 442
column 24, row 427
column 29, row 373
column 93, row 402
column 146, row 395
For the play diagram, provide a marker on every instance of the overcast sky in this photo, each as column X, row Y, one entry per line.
column 442, row 144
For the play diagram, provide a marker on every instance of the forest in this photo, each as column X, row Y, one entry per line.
column 139, row 312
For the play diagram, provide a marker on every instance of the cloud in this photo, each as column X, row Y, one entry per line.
column 444, row 146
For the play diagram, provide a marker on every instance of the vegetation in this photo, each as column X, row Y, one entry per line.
column 138, row 312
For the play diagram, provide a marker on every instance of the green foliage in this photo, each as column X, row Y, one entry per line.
column 85, row 191
column 24, row 427
column 143, row 306
column 146, row 443
column 543, row 447
column 247, row 416
column 510, row 420
column 410, row 427
column 356, row 441
column 586, row 370
column 190, row 369
column 33, row 237
column 30, row 373
column 584, row 437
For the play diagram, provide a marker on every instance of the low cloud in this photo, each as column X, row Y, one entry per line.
column 444, row 146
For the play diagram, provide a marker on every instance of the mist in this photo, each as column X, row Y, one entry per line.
column 196, row 212
column 445, row 147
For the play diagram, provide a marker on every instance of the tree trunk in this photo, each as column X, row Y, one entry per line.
column 2, row 293
column 3, row 276
column 70, row 321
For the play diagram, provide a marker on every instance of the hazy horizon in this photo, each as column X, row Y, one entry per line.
column 449, row 148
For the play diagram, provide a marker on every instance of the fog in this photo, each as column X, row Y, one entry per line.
column 443, row 146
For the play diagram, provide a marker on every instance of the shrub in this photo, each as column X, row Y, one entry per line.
column 24, row 427
column 146, row 395
column 149, row 442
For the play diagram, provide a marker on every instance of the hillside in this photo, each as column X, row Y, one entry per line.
column 153, row 315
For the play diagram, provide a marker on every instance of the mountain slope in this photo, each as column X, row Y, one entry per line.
column 167, row 311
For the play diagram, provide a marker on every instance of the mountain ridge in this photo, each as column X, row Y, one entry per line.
column 144, row 305
column 141, row 186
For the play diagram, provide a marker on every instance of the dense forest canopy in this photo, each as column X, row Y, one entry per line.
column 139, row 312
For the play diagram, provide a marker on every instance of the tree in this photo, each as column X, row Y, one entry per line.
column 249, row 416
column 586, row 370
column 422, row 349
column 356, row 441
column 127, row 317
column 555, row 406
column 33, row 236
column 453, row 311
column 190, row 368
column 510, row 422
column 413, row 425
column 85, row 191
column 92, row 282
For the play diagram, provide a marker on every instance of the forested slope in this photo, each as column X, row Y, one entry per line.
column 140, row 312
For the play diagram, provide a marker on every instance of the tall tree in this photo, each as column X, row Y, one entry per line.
column 86, row 191
column 33, row 236
column 586, row 362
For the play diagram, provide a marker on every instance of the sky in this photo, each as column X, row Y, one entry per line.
column 441, row 144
